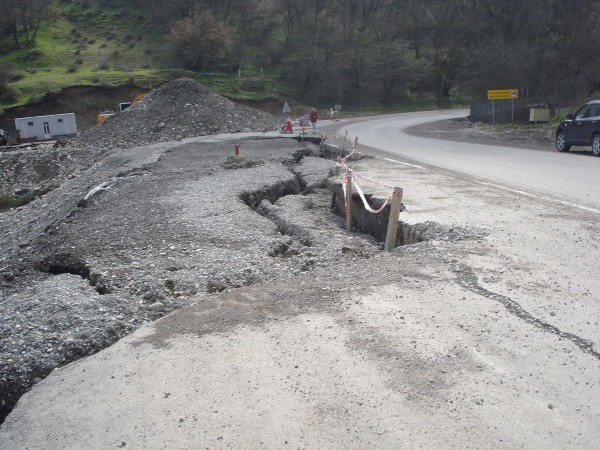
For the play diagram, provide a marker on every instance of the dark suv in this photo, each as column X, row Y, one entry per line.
column 581, row 128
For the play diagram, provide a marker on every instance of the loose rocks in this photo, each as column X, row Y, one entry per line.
column 177, row 110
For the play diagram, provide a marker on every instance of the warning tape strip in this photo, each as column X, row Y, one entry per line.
column 341, row 163
column 362, row 196
column 373, row 181
column 367, row 206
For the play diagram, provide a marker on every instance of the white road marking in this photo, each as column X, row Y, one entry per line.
column 549, row 199
column 402, row 163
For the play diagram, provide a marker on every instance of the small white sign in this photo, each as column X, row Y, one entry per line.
column 286, row 108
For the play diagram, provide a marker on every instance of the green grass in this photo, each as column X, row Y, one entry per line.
column 102, row 47
column 85, row 46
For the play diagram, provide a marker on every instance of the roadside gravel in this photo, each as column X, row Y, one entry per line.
column 538, row 137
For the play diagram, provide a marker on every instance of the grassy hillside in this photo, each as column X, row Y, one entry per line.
column 85, row 45
column 80, row 45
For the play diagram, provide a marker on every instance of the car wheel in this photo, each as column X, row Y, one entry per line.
column 561, row 142
column 596, row 145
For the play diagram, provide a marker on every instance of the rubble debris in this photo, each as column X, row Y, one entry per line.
column 180, row 109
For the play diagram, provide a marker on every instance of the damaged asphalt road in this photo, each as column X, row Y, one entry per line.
column 296, row 332
column 160, row 237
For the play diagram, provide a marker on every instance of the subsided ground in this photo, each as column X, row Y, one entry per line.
column 482, row 335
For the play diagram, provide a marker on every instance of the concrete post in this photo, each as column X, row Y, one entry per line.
column 392, row 228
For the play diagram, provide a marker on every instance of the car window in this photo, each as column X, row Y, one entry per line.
column 582, row 112
column 594, row 110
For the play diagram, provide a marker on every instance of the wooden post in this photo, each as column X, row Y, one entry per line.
column 337, row 174
column 349, row 202
column 392, row 229
column 344, row 144
column 355, row 146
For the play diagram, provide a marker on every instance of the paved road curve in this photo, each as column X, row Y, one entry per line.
column 565, row 177
column 486, row 336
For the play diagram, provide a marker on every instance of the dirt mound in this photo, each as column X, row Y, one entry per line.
column 180, row 109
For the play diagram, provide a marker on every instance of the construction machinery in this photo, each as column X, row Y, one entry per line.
column 122, row 106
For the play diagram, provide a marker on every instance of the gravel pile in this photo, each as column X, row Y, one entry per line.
column 180, row 109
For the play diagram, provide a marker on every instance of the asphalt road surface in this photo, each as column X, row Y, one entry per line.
column 562, row 177
column 483, row 336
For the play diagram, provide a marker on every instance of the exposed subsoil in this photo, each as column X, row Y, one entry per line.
column 85, row 101
column 538, row 137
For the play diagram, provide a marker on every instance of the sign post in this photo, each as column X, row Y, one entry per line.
column 503, row 94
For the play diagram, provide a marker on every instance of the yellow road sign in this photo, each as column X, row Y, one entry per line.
column 503, row 94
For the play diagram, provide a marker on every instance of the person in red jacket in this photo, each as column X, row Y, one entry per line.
column 314, row 115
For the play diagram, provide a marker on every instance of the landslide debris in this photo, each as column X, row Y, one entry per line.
column 165, row 235
column 180, row 109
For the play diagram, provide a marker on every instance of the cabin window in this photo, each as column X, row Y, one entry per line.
column 46, row 128
column 30, row 124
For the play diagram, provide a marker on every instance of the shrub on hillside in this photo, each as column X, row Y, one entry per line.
column 193, row 38
column 7, row 94
column 103, row 65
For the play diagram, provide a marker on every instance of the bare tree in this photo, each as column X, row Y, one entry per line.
column 21, row 19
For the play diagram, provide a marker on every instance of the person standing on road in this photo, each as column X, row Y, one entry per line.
column 314, row 115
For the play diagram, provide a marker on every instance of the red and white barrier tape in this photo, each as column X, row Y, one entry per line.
column 354, row 150
column 367, row 206
column 362, row 196
column 341, row 163
column 373, row 181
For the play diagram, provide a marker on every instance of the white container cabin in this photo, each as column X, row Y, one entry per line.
column 44, row 128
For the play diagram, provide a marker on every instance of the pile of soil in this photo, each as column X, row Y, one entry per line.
column 180, row 109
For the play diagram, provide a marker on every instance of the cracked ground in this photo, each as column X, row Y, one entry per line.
column 300, row 333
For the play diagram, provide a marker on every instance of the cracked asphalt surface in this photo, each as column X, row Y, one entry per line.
column 317, row 338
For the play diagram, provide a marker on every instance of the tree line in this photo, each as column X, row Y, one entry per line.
column 393, row 49
column 381, row 50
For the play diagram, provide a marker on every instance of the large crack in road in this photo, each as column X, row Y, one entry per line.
column 468, row 279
